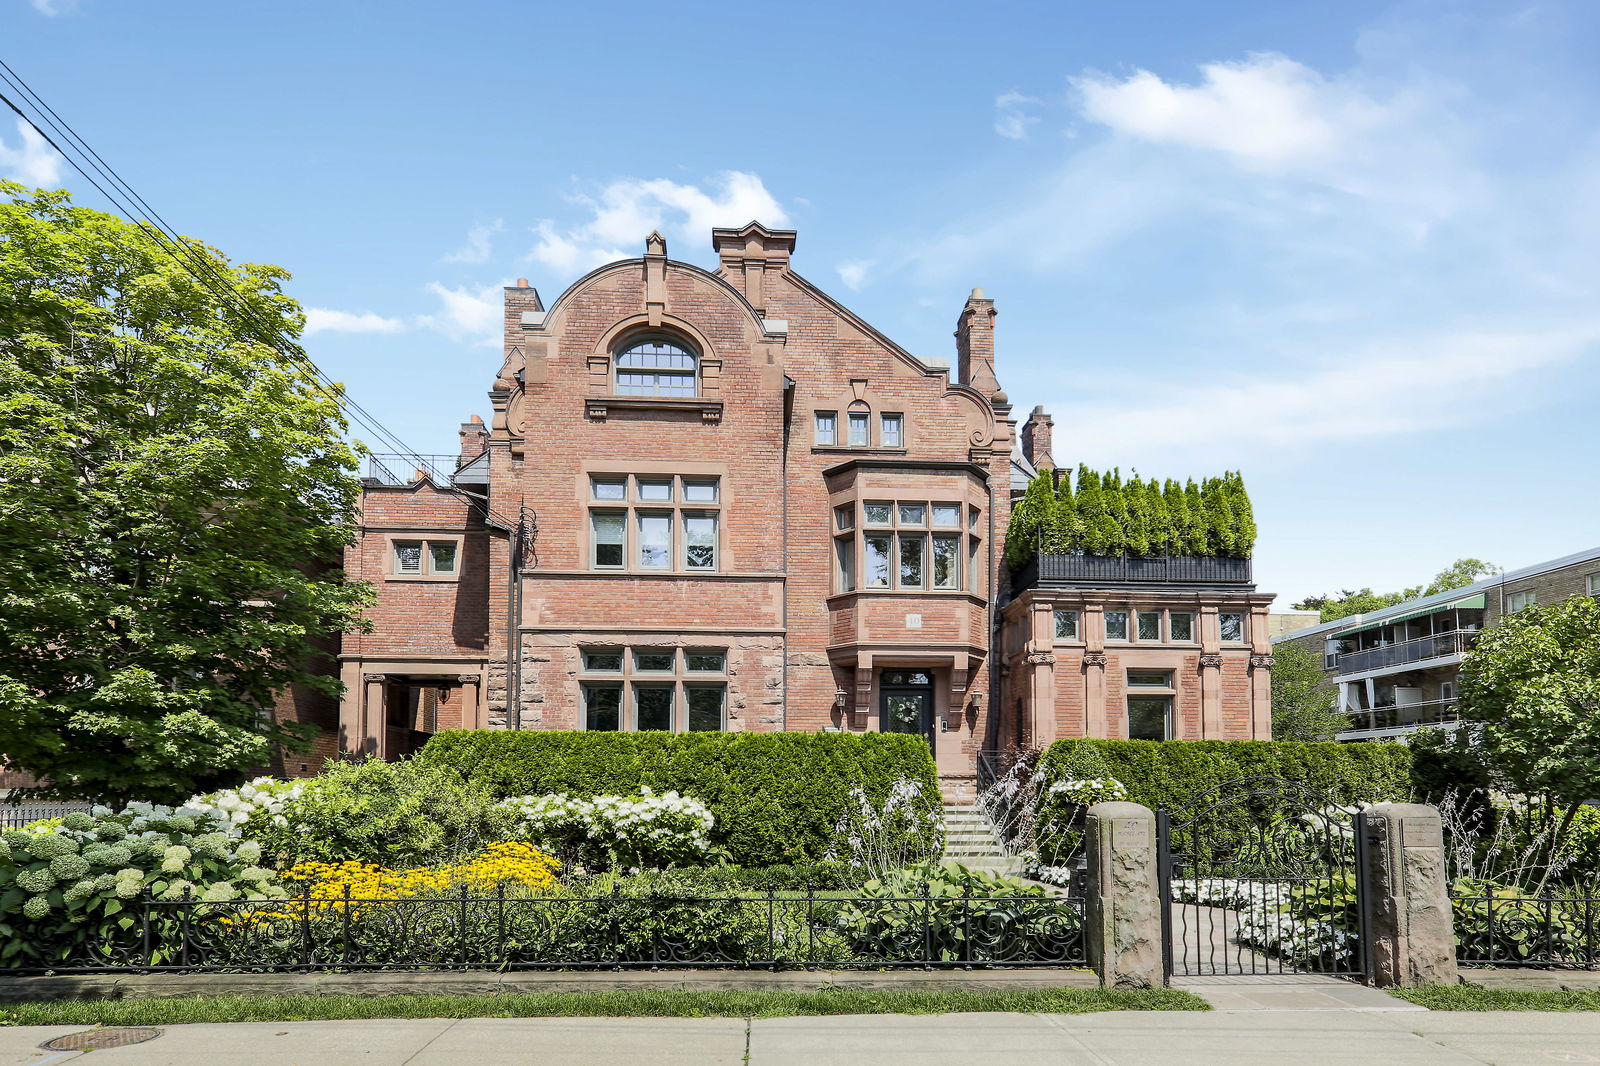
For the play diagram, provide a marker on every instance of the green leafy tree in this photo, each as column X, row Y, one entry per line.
column 1532, row 686
column 1459, row 574
column 1163, row 530
column 1066, row 524
column 1244, row 519
column 1138, row 522
column 167, row 484
column 1303, row 701
column 1195, row 538
column 1221, row 534
column 1349, row 602
column 1028, row 519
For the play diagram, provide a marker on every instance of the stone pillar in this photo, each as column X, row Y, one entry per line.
column 1410, row 928
column 1123, row 917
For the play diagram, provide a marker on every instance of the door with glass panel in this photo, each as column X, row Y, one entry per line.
column 906, row 702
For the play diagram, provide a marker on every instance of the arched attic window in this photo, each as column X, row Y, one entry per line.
column 656, row 366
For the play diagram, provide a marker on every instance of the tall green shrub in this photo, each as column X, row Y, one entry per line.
column 1028, row 519
column 776, row 797
column 1171, row 773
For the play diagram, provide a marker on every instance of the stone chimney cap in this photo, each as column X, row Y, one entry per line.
column 522, row 283
column 977, row 294
column 476, row 418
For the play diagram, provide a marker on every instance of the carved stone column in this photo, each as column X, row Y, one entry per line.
column 1411, row 931
column 1096, row 720
column 473, row 713
column 1261, row 697
column 1211, row 695
column 374, row 734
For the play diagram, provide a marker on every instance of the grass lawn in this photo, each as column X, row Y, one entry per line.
column 673, row 1003
column 1476, row 997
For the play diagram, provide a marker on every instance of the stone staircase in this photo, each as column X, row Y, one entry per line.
column 969, row 840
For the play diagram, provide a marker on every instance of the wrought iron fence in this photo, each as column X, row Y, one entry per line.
column 585, row 932
column 1209, row 570
column 1498, row 926
column 15, row 816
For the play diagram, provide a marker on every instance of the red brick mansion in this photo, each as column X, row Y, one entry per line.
column 721, row 500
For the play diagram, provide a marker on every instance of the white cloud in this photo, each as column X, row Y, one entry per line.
column 1390, row 386
column 323, row 320
column 33, row 162
column 53, row 7
column 1267, row 112
column 853, row 272
column 625, row 211
column 469, row 313
column 479, row 244
column 1010, row 118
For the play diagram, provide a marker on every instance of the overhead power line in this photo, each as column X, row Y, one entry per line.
column 88, row 163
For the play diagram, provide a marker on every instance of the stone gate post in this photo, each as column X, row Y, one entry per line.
column 1410, row 927
column 1123, row 916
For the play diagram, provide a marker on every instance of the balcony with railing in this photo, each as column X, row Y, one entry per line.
column 403, row 468
column 1400, row 718
column 1420, row 649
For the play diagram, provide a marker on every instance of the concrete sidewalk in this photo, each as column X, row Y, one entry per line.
column 1225, row 1038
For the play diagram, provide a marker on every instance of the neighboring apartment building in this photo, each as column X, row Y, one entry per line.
column 1396, row 668
column 722, row 501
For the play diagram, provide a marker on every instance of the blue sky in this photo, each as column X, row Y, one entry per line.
column 1352, row 249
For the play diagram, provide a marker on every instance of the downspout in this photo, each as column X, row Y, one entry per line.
column 783, row 650
column 513, row 614
column 995, row 709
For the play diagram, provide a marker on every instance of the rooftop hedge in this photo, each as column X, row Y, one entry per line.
column 1105, row 515
column 777, row 797
column 1171, row 773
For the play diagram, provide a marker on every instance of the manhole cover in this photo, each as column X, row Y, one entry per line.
column 98, row 1038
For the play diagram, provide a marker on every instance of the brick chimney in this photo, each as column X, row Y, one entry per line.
column 474, row 439
column 975, row 344
column 1036, row 432
column 749, row 254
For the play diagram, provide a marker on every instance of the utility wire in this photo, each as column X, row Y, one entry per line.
column 88, row 163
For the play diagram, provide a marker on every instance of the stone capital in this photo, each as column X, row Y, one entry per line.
column 1211, row 661
column 1095, row 658
column 374, row 679
column 1262, row 662
column 1041, row 658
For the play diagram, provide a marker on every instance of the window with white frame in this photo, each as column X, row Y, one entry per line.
column 1230, row 625
column 424, row 557
column 1517, row 601
column 901, row 544
column 890, row 431
column 656, row 366
column 1066, row 623
column 1594, row 584
column 654, row 522
column 643, row 689
column 860, row 423
column 827, row 428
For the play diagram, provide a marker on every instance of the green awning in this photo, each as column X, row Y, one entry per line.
column 1479, row 602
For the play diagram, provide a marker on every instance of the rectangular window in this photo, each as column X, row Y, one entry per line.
column 653, row 660
column 845, row 552
column 707, row 661
column 859, row 427
column 946, row 562
column 947, row 515
column 975, row 573
column 1594, row 584
column 877, row 561
column 1520, row 600
column 913, row 514
column 879, row 514
column 609, row 528
column 699, row 541
column 602, row 661
column 1149, row 679
column 608, row 488
column 1150, row 626
column 442, row 557
column 656, row 490
column 827, row 428
column 602, row 707
column 1066, row 623
column 890, row 431
column 700, row 490
column 1147, row 717
column 912, row 562
column 705, row 707
column 1182, row 625
column 972, row 519
column 655, row 540
column 408, row 556
column 844, row 517
column 652, row 707
column 1231, row 625
column 1116, row 625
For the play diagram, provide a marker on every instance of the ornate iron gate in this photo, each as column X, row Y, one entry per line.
column 1263, row 876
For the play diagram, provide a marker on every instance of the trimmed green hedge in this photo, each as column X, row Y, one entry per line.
column 777, row 797
column 1171, row 773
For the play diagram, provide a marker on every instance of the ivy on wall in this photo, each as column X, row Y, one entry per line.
column 1105, row 515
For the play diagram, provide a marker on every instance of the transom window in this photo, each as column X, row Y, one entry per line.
column 911, row 545
column 654, row 689
column 647, row 522
column 655, row 366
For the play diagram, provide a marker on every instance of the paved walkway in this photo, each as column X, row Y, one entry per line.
column 1224, row 1037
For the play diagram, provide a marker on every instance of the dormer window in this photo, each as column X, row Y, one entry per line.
column 656, row 366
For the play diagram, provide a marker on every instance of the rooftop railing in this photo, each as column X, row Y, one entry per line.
column 396, row 468
column 1209, row 570
column 1404, row 716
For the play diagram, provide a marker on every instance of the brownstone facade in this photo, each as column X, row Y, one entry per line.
column 704, row 500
